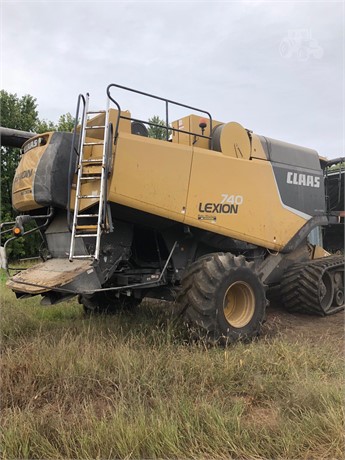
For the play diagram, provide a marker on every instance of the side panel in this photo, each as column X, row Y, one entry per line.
column 299, row 176
column 239, row 198
column 151, row 175
column 301, row 189
column 23, row 183
column 52, row 179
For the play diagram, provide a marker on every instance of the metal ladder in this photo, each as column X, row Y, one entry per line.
column 97, row 220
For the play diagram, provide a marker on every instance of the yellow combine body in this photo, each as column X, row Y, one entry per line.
column 210, row 214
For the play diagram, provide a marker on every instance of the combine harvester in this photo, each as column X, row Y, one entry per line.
column 213, row 216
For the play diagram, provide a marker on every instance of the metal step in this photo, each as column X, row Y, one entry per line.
column 91, row 177
column 86, row 227
column 93, row 160
column 95, row 127
column 94, row 230
column 93, row 143
column 82, row 197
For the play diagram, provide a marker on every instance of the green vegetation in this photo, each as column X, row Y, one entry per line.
column 337, row 167
column 158, row 132
column 131, row 386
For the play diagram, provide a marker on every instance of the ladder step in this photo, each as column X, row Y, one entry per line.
column 93, row 143
column 93, row 160
column 91, row 177
column 86, row 227
column 96, row 111
column 91, row 169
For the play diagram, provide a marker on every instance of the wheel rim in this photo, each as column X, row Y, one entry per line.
column 326, row 291
column 339, row 297
column 239, row 304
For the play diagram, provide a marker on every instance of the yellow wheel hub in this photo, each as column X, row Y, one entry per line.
column 239, row 304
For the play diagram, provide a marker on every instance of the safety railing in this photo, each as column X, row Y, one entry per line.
column 167, row 102
column 75, row 151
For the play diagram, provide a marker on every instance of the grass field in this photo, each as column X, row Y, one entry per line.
column 132, row 386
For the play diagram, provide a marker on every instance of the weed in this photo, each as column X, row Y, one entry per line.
column 131, row 386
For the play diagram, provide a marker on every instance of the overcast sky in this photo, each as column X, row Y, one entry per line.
column 275, row 67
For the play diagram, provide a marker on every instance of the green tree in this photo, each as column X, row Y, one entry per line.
column 44, row 126
column 17, row 113
column 66, row 123
column 158, row 132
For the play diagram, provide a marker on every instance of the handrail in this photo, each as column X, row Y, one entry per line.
column 119, row 113
column 81, row 98
column 167, row 102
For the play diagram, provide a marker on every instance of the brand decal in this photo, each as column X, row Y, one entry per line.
column 305, row 180
column 26, row 192
column 229, row 204
column 34, row 143
column 207, row 217
column 218, row 208
column 23, row 175
column 30, row 145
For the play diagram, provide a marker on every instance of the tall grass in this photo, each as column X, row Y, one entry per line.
column 132, row 386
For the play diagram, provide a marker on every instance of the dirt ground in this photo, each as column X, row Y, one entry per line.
column 312, row 328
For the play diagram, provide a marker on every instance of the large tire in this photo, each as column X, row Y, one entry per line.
column 107, row 303
column 222, row 295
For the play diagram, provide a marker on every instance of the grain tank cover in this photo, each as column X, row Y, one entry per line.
column 290, row 154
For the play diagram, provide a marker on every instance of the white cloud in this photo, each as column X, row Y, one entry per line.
column 221, row 56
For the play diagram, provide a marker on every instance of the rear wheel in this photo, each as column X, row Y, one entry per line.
column 223, row 296
column 107, row 303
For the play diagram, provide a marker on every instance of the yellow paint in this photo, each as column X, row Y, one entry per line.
column 191, row 123
column 260, row 219
column 257, row 150
column 234, row 141
column 22, row 187
column 184, row 181
column 320, row 252
column 151, row 175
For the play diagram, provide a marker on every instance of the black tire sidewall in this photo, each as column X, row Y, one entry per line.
column 251, row 329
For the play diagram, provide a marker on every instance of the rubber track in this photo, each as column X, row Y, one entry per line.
column 301, row 282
